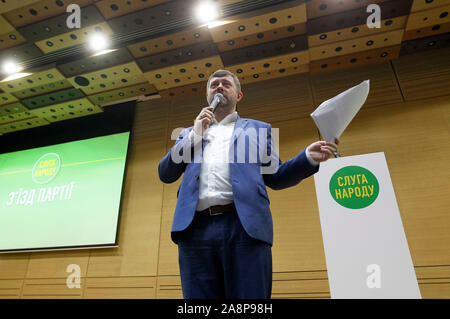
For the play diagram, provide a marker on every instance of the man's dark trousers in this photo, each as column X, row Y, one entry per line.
column 218, row 259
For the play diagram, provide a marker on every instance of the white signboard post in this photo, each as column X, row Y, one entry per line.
column 366, row 251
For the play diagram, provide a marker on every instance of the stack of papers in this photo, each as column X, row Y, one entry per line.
column 334, row 115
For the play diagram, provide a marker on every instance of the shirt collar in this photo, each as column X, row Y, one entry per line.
column 230, row 118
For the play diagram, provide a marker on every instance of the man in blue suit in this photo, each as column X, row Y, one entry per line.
column 222, row 222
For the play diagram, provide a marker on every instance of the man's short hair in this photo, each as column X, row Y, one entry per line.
column 222, row 73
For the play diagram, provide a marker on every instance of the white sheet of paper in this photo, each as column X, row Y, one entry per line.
column 334, row 115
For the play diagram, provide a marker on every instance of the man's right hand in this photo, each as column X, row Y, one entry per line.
column 203, row 120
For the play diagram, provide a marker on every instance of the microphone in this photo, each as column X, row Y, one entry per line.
column 217, row 98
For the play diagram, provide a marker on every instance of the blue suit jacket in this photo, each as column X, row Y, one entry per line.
column 248, row 182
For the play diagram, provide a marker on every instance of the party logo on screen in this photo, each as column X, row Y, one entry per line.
column 46, row 168
column 354, row 187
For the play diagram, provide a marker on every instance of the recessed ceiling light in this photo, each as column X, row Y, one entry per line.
column 98, row 41
column 206, row 11
column 11, row 67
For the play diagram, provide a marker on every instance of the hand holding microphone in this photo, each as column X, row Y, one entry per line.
column 206, row 116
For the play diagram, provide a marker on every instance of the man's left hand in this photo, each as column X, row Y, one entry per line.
column 321, row 151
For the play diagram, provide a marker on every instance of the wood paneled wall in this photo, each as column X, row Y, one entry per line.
column 407, row 116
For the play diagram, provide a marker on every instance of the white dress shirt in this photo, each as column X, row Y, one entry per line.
column 214, row 180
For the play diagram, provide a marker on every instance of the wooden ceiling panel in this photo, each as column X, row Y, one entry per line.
column 152, row 17
column 95, row 63
column 108, row 79
column 426, row 31
column 8, row 5
column 170, row 42
column 271, row 64
column 262, row 37
column 356, row 59
column 11, row 39
column 58, row 25
column 388, row 10
column 174, row 57
column 115, row 8
column 282, row 72
column 430, row 17
column 265, row 50
column 419, row 5
column 105, row 98
column 356, row 32
column 23, row 125
column 425, row 44
column 42, row 89
column 75, row 37
column 356, row 45
column 40, row 10
column 188, row 73
column 240, row 26
column 52, row 98
column 5, row 26
column 12, row 108
column 7, row 98
column 67, row 110
column 318, row 8
column 19, row 116
column 23, row 52
column 30, row 81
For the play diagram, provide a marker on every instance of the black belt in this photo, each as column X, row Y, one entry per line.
column 217, row 210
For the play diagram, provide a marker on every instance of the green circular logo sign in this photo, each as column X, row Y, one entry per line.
column 46, row 168
column 354, row 187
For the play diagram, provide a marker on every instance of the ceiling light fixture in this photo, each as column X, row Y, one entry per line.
column 11, row 67
column 206, row 11
column 98, row 42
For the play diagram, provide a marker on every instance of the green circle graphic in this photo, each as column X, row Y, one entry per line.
column 46, row 168
column 354, row 187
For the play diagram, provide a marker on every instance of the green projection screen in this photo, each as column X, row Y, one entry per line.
column 63, row 196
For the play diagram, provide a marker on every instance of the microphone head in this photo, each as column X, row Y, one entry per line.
column 216, row 101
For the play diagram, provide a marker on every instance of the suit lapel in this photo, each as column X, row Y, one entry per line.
column 238, row 128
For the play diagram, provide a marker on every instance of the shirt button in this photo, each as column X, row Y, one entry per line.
column 197, row 177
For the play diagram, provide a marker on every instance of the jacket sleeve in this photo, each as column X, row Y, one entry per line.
column 286, row 174
column 172, row 166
